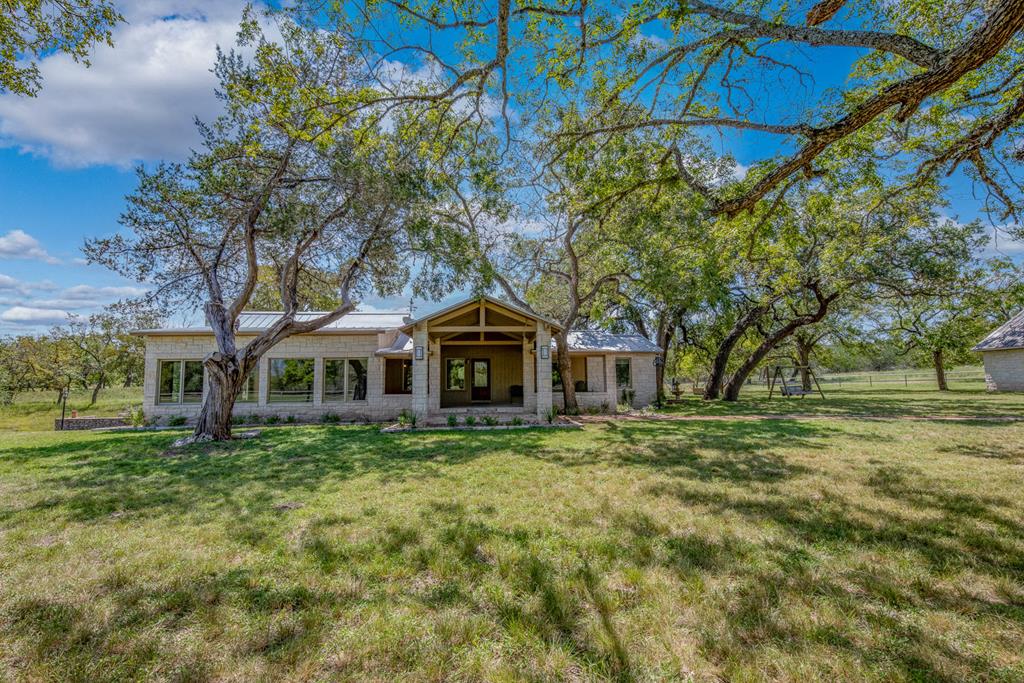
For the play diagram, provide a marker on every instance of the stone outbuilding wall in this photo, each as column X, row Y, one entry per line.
column 1004, row 370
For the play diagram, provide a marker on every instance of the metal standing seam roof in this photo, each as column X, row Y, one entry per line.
column 1009, row 336
column 257, row 321
column 597, row 340
column 384, row 321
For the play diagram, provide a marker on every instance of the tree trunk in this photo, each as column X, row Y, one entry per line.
column 224, row 380
column 735, row 385
column 565, row 370
column 96, row 391
column 716, row 378
column 940, row 370
column 803, row 354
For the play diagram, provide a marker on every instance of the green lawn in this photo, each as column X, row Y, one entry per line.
column 963, row 399
column 36, row 410
column 644, row 550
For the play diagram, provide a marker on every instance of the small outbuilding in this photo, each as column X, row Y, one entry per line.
column 1003, row 354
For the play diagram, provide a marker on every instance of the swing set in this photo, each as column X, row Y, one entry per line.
column 792, row 387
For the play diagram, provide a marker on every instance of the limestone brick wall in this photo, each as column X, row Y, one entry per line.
column 377, row 405
column 1004, row 370
column 643, row 375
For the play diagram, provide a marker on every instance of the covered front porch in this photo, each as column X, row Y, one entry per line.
column 481, row 357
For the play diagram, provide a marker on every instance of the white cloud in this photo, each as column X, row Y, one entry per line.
column 18, row 244
column 8, row 283
column 739, row 171
column 138, row 100
column 89, row 292
column 28, row 315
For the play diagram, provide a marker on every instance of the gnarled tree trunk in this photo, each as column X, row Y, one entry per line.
column 938, row 360
column 224, row 381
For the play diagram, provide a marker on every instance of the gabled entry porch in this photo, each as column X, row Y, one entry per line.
column 481, row 356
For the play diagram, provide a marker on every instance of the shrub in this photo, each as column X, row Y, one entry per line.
column 253, row 419
column 551, row 414
column 136, row 417
column 490, row 420
column 517, row 421
column 627, row 396
column 330, row 418
column 176, row 420
column 272, row 419
column 470, row 420
column 407, row 418
column 290, row 419
column 452, row 420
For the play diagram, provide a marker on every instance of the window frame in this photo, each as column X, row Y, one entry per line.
column 448, row 374
column 270, row 382
column 180, row 372
column 344, row 360
column 629, row 364
column 252, row 395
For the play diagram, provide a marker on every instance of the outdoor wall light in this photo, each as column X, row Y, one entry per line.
column 419, row 353
column 545, row 351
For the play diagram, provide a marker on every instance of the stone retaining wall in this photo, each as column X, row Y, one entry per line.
column 71, row 423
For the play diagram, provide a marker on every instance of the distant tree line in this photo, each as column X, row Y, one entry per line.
column 91, row 352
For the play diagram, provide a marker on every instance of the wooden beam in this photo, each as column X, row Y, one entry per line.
column 494, row 342
column 478, row 328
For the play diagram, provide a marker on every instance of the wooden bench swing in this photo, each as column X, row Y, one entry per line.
column 791, row 388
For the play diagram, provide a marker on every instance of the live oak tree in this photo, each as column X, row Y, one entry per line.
column 580, row 246
column 280, row 179
column 30, row 29
column 935, row 86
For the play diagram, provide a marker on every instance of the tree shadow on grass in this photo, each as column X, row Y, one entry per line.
column 123, row 473
column 946, row 533
column 745, row 451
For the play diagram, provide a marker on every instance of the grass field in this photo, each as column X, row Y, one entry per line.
column 36, row 410
column 964, row 399
column 644, row 550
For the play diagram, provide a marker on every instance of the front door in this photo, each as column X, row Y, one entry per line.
column 481, row 379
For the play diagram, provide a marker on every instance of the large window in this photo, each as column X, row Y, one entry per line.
column 456, row 374
column 251, row 391
column 291, row 380
column 345, row 379
column 623, row 373
column 397, row 376
column 181, row 381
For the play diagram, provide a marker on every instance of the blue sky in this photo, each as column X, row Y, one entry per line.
column 66, row 156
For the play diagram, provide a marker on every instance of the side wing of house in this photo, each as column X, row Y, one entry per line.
column 307, row 377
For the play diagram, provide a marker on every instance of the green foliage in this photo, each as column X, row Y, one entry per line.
column 452, row 420
column 470, row 421
column 32, row 29
column 490, row 420
column 136, row 417
column 176, row 421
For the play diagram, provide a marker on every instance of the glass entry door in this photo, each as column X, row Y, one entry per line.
column 481, row 373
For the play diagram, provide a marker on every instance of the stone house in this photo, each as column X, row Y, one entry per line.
column 1003, row 354
column 479, row 356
